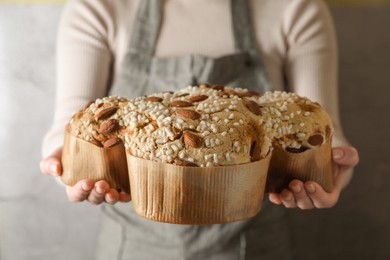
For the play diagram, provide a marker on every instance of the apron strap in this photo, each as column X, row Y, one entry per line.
column 243, row 31
column 146, row 27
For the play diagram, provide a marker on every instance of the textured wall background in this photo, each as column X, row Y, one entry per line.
column 37, row 222
column 359, row 227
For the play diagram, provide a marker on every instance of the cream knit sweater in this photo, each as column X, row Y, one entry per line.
column 295, row 37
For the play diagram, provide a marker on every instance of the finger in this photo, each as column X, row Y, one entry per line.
column 320, row 198
column 302, row 200
column 98, row 193
column 124, row 197
column 80, row 191
column 52, row 165
column 346, row 156
column 275, row 198
column 112, row 196
column 288, row 199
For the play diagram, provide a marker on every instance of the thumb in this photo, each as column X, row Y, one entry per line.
column 345, row 156
column 52, row 164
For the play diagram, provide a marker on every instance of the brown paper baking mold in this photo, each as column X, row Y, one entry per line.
column 314, row 164
column 84, row 160
column 197, row 195
column 194, row 195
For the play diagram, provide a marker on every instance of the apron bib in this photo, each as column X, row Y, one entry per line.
column 126, row 235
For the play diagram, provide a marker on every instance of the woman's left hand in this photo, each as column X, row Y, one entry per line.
column 309, row 195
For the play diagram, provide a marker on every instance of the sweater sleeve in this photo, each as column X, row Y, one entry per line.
column 83, row 64
column 311, row 65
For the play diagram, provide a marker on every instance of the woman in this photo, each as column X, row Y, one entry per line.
column 137, row 47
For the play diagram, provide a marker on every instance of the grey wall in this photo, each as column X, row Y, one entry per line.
column 37, row 222
column 359, row 226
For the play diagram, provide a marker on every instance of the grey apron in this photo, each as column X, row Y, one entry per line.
column 124, row 234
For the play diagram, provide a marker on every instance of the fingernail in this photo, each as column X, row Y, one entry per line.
column 296, row 188
column 310, row 188
column 286, row 197
column 86, row 186
column 53, row 168
column 108, row 198
column 338, row 154
column 100, row 189
column 111, row 198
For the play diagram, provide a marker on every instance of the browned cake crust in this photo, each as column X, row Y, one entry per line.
column 204, row 126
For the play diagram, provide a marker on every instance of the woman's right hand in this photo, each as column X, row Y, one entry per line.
column 94, row 192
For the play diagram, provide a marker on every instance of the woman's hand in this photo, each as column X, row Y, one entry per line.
column 309, row 195
column 94, row 192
